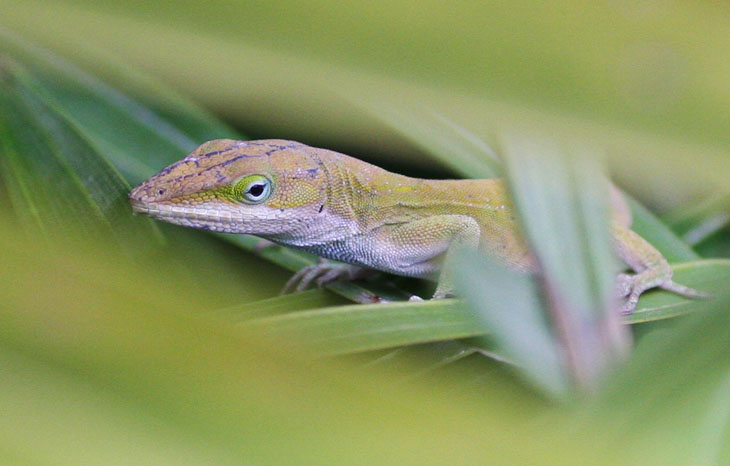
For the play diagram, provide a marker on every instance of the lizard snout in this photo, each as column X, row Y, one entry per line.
column 148, row 192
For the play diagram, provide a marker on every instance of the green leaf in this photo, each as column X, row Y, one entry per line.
column 508, row 307
column 560, row 194
column 704, row 224
column 675, row 391
column 658, row 234
column 356, row 328
column 65, row 185
column 419, row 360
column 359, row 328
column 136, row 139
column 433, row 132
column 310, row 299
column 700, row 219
column 716, row 245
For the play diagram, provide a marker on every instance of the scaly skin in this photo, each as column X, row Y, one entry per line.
column 341, row 208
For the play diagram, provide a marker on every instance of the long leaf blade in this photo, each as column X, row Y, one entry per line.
column 356, row 328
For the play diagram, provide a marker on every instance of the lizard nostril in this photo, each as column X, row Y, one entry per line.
column 160, row 192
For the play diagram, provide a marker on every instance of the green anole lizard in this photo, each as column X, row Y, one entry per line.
column 342, row 208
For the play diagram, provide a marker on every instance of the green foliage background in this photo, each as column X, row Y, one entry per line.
column 129, row 342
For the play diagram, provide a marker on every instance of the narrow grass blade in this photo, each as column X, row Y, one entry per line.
column 704, row 224
column 506, row 304
column 436, row 134
column 148, row 141
column 561, row 196
column 410, row 362
column 508, row 307
column 651, row 228
column 357, row 328
column 310, row 299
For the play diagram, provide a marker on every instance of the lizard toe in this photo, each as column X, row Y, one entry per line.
column 295, row 282
column 310, row 276
column 322, row 273
column 623, row 285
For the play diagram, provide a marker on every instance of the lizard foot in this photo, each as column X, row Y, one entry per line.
column 322, row 273
column 632, row 286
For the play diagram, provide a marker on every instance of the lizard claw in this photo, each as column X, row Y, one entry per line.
column 322, row 273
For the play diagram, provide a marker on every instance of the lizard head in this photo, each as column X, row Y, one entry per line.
column 255, row 187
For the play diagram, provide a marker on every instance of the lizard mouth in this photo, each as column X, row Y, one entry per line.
column 139, row 207
column 156, row 210
column 213, row 216
column 188, row 216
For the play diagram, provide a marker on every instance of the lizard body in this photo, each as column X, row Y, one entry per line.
column 342, row 208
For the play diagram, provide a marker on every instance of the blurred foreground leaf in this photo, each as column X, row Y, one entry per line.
column 107, row 362
column 705, row 224
column 508, row 305
column 562, row 198
column 671, row 403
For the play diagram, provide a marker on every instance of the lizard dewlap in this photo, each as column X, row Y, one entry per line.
column 342, row 208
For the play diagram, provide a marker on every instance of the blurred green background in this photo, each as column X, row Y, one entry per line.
column 124, row 341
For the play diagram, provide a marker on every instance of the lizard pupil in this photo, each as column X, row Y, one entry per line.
column 256, row 190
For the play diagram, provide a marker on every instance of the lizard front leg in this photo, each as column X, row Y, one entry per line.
column 652, row 269
column 424, row 246
column 417, row 249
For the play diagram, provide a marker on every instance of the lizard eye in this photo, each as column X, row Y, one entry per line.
column 253, row 189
